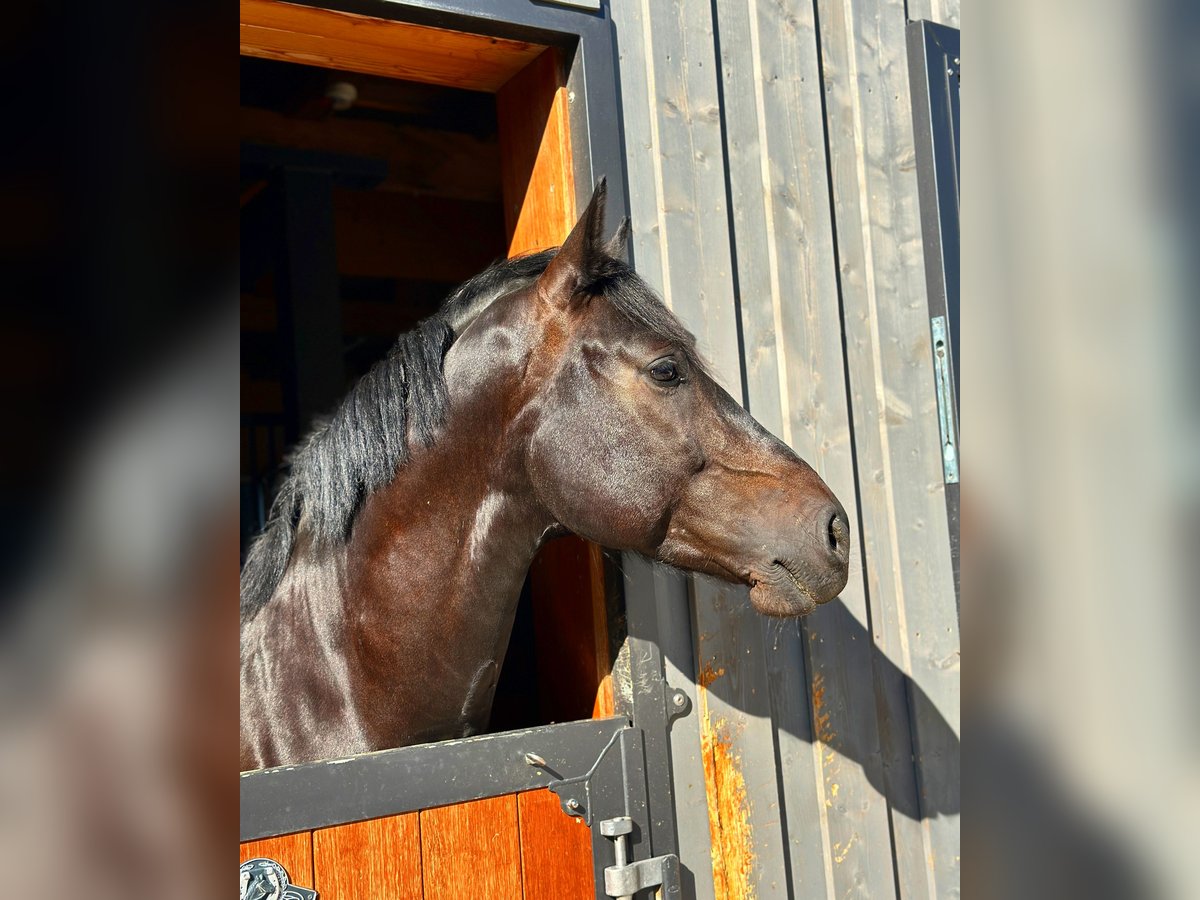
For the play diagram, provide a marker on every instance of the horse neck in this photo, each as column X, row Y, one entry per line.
column 452, row 528
column 435, row 564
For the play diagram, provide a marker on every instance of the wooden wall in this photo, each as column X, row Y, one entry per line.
column 773, row 193
column 514, row 847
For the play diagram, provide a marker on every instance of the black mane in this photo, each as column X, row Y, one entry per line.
column 361, row 445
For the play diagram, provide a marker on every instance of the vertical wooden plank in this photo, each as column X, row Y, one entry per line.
column 292, row 851
column 535, row 156
column 682, row 247
column 602, row 704
column 693, row 218
column 945, row 12
column 556, row 850
column 472, row 850
column 902, row 497
column 835, row 804
column 379, row 859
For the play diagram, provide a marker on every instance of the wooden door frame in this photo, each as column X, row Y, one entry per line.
column 582, row 45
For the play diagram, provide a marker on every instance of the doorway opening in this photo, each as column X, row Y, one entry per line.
column 382, row 164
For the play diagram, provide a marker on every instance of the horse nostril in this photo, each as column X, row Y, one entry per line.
column 837, row 532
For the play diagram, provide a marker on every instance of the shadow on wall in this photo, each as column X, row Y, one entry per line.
column 882, row 747
column 918, row 792
column 1031, row 837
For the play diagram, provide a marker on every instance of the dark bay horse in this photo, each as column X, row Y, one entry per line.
column 552, row 393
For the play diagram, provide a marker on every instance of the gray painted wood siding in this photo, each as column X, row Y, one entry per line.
column 773, row 193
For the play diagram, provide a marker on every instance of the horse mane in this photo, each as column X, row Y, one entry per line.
column 402, row 397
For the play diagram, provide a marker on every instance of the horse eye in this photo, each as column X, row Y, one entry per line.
column 664, row 371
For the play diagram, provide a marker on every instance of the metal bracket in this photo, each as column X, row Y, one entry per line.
column 624, row 879
column 945, row 400
column 569, row 790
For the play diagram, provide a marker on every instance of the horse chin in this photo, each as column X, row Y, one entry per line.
column 781, row 600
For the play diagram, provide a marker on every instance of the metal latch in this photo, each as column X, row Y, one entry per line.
column 625, row 878
column 945, row 399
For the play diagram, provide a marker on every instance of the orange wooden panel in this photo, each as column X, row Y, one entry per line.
column 556, row 850
column 292, row 851
column 337, row 40
column 472, row 850
column 375, row 860
column 570, row 628
column 535, row 156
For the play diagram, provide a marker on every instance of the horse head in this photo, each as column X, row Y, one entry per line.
column 630, row 442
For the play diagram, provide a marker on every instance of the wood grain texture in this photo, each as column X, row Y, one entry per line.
column 682, row 245
column 472, row 850
column 944, row 12
column 836, row 808
column 556, row 850
column 602, row 701
column 292, row 851
column 375, row 860
column 845, row 702
column 338, row 40
column 535, row 151
column 905, row 531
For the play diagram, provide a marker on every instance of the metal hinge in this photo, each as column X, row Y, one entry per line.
column 624, row 879
column 945, row 399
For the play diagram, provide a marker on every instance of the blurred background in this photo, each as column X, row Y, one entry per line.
column 1080, row 254
column 119, row 340
column 119, row 455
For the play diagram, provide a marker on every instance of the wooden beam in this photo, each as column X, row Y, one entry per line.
column 535, row 151
column 337, row 40
column 889, row 360
column 419, row 160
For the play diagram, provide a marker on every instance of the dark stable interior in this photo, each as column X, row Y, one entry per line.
column 355, row 224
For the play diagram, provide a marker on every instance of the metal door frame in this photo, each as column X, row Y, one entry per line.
column 934, row 74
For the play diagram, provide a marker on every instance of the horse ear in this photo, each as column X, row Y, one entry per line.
column 616, row 243
column 579, row 258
